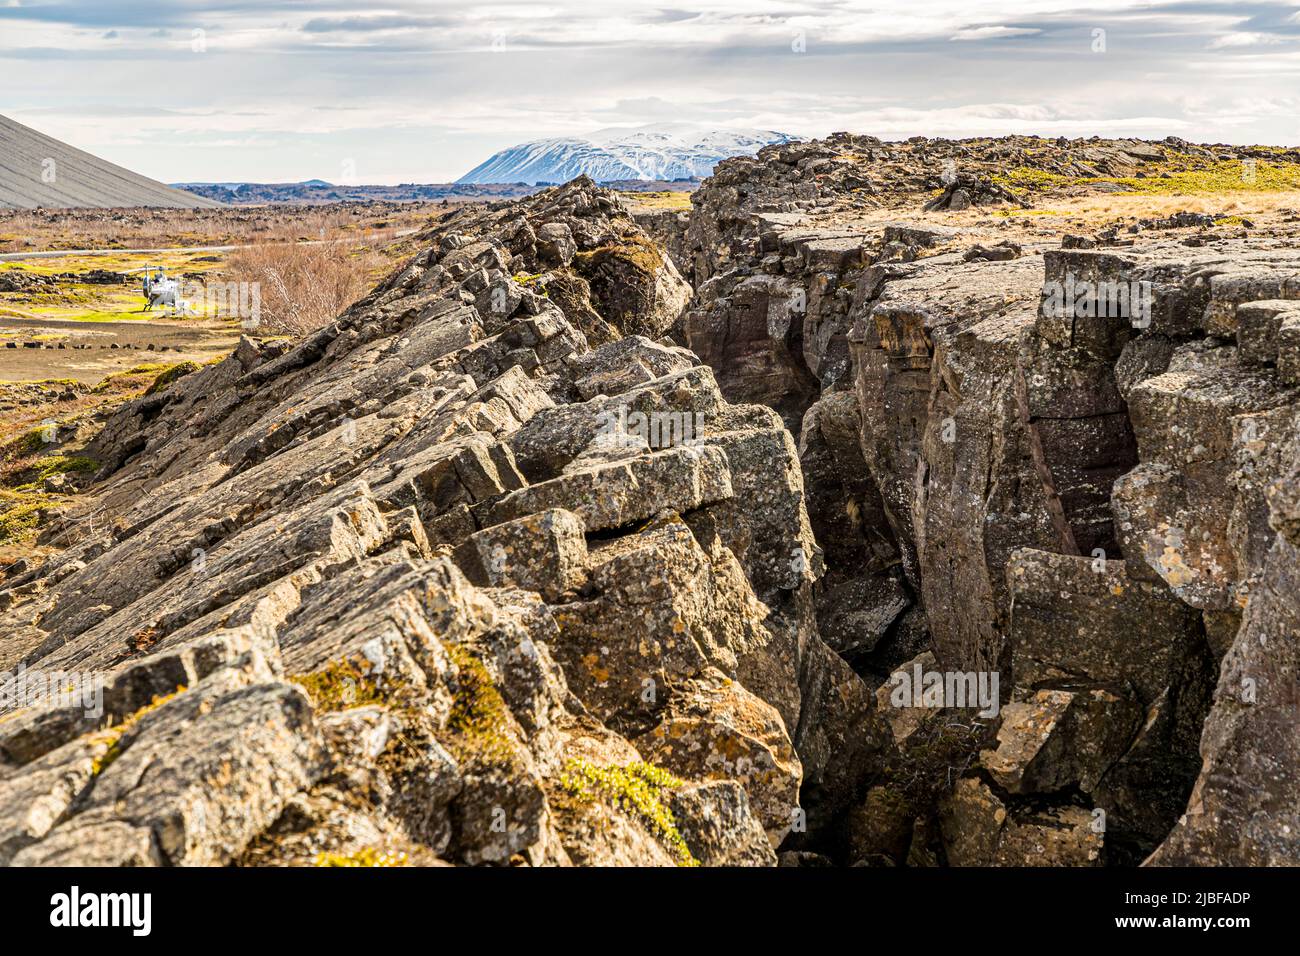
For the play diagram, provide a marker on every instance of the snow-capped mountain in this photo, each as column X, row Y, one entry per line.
column 668, row 151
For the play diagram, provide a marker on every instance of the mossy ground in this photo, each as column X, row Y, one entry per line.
column 44, row 434
column 1178, row 176
column 170, row 375
column 33, row 473
column 673, row 200
column 25, row 464
column 20, row 514
column 82, row 301
column 147, row 375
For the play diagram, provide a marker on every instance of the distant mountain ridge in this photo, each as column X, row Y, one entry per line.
column 319, row 192
column 663, row 152
column 39, row 171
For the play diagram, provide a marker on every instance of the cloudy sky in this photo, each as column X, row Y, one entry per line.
column 422, row 90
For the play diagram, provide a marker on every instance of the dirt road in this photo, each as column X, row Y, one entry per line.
column 186, row 250
column 60, row 253
column 40, row 348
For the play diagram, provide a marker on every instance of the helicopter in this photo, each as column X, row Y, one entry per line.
column 158, row 289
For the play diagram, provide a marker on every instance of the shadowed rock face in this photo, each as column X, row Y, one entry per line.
column 1090, row 502
column 862, row 551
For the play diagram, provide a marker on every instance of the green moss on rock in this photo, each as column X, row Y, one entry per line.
column 366, row 856
column 637, row 790
column 639, row 251
column 340, row 685
column 479, row 722
column 1177, row 176
column 170, row 375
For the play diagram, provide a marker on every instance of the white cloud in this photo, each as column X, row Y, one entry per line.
column 413, row 90
column 1244, row 39
column 990, row 33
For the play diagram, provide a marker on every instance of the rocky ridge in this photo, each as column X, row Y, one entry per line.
column 537, row 556
column 393, row 592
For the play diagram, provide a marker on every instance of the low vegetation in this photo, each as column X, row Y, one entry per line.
column 306, row 285
column 1179, row 178
column 637, row 790
column 366, row 856
column 479, row 723
column 674, row 201
column 340, row 685
column 21, row 514
column 24, row 229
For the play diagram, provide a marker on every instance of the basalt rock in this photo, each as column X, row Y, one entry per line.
column 470, row 575
column 1072, row 468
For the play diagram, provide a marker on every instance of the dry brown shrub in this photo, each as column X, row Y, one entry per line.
column 24, row 230
column 305, row 285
